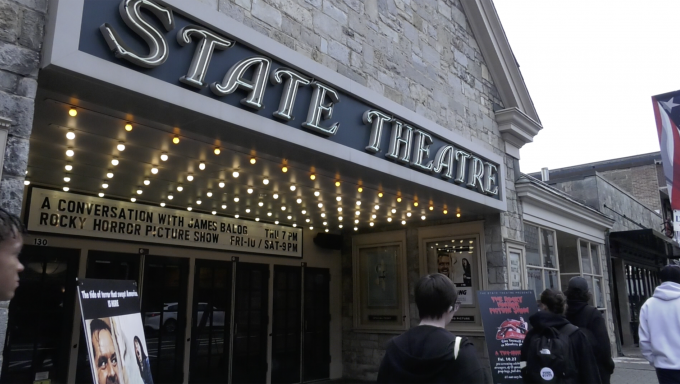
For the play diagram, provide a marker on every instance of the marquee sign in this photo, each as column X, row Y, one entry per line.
column 71, row 214
column 171, row 47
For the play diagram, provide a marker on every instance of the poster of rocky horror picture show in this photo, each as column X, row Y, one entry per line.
column 115, row 335
column 505, row 316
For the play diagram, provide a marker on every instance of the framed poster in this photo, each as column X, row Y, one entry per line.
column 380, row 287
column 455, row 250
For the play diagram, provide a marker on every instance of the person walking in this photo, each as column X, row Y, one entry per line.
column 555, row 350
column 659, row 328
column 591, row 322
column 429, row 353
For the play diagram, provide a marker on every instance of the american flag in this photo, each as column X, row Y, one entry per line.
column 667, row 113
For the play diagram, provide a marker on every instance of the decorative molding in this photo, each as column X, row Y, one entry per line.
column 516, row 129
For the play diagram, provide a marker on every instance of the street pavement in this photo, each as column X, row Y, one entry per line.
column 632, row 368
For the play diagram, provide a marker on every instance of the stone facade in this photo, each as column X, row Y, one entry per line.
column 22, row 25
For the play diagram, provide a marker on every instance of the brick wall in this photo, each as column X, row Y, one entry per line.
column 21, row 34
column 641, row 182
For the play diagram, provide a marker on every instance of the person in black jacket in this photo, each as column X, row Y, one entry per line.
column 429, row 353
column 590, row 320
column 551, row 314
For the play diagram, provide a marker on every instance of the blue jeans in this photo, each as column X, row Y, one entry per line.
column 668, row 376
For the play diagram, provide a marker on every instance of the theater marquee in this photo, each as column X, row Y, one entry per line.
column 71, row 214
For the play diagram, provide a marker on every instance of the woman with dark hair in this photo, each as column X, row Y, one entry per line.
column 467, row 273
column 591, row 322
column 551, row 335
column 142, row 362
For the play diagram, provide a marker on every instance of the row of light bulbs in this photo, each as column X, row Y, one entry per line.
column 164, row 157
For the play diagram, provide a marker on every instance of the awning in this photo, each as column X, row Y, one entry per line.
column 644, row 245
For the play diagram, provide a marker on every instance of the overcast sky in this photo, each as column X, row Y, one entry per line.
column 591, row 68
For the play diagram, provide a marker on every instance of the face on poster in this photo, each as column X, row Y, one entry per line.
column 115, row 334
column 455, row 259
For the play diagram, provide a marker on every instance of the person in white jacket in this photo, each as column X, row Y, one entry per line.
column 659, row 324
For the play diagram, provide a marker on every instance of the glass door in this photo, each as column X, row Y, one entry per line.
column 286, row 325
column 209, row 361
column 164, row 293
column 41, row 316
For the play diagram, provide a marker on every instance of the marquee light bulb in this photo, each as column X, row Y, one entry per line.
column 249, row 190
column 265, row 181
column 128, row 127
column 217, row 151
column 357, row 213
column 289, row 217
column 299, row 201
column 70, row 135
column 175, row 140
column 339, row 198
column 358, row 203
column 236, row 199
column 360, row 189
column 340, row 218
column 164, row 156
column 326, row 230
column 190, row 177
column 65, row 189
column 199, row 202
column 276, row 196
column 320, row 205
column 133, row 199
column 415, row 203
column 109, row 175
column 398, row 199
column 317, row 193
column 120, row 146
column 170, row 197
column 139, row 191
column 380, row 194
column 189, row 209
column 422, row 217
column 276, row 222
column 224, row 206
column 394, row 210
column 446, row 212
column 105, row 185
column 304, row 212
column 312, row 176
column 253, row 160
column 260, row 204
column 72, row 112
column 408, row 214
column 221, row 184
column 339, row 209
column 247, row 210
column 154, row 170
column 214, row 212
column 311, row 228
column 27, row 182
column 307, row 220
column 257, row 219
column 371, row 224
column 389, row 219
column 201, row 166
column 323, row 214
column 180, row 188
column 373, row 216
column 235, row 174
column 376, row 206
column 269, row 214
column 403, row 222
column 458, row 214
column 325, row 223
column 356, row 221
column 162, row 204
column 66, row 180
column 293, row 188
column 283, row 208
column 431, row 208
column 237, row 216
column 68, row 167
column 101, row 194
column 284, row 169
column 337, row 183
column 356, row 229
column 70, row 153
column 209, row 194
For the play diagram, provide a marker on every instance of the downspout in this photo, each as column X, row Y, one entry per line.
column 613, row 295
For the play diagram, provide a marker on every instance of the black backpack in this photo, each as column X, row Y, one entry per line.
column 548, row 357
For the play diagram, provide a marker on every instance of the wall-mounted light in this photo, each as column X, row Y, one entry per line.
column 175, row 140
column 217, row 151
column 72, row 112
column 128, row 127
column 253, row 160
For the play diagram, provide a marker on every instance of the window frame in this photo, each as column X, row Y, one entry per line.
column 542, row 268
column 592, row 275
column 517, row 247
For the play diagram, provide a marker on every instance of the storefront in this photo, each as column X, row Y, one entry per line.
column 274, row 213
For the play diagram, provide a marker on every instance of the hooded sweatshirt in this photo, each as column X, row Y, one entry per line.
column 659, row 324
column 589, row 318
column 579, row 347
column 424, row 354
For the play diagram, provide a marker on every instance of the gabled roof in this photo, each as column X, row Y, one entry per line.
column 519, row 123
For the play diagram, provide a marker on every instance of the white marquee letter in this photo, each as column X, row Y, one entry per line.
column 377, row 120
column 207, row 44
column 318, row 110
column 290, row 90
column 234, row 80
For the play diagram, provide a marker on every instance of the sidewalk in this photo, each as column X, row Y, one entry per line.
column 632, row 368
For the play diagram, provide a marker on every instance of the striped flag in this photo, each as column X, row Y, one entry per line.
column 667, row 114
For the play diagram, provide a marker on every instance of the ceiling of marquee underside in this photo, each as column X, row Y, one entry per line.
column 99, row 127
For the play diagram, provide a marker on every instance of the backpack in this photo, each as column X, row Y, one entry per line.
column 548, row 358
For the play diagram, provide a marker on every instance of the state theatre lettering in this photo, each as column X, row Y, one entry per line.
column 70, row 214
column 408, row 144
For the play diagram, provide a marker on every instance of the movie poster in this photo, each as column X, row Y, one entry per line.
column 456, row 259
column 114, row 332
column 505, row 316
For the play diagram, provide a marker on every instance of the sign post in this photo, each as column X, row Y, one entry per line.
column 505, row 316
column 114, row 331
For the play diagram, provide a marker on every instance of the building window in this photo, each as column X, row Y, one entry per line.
column 591, row 267
column 541, row 259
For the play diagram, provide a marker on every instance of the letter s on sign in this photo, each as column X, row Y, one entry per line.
column 158, row 47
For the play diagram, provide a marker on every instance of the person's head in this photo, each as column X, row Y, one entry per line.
column 11, row 241
column 139, row 351
column 105, row 356
column 465, row 263
column 670, row 273
column 436, row 297
column 554, row 301
column 443, row 263
column 577, row 289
